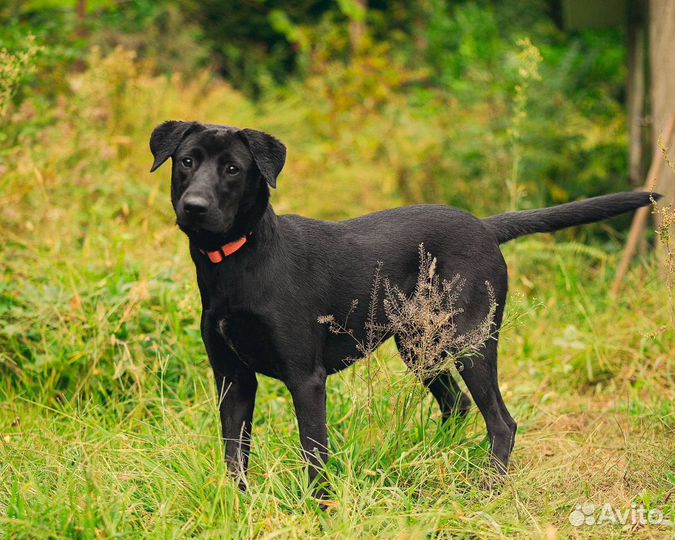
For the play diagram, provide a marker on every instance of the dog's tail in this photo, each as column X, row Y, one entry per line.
column 514, row 224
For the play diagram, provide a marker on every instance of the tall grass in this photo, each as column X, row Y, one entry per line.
column 108, row 420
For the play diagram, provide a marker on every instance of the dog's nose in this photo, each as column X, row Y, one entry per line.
column 195, row 206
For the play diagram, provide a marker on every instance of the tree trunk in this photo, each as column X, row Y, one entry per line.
column 662, row 94
column 81, row 11
column 357, row 25
column 636, row 92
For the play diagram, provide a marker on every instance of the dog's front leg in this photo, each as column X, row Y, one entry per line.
column 236, row 388
column 309, row 399
column 236, row 401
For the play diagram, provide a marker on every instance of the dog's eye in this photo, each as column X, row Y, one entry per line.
column 187, row 162
column 231, row 169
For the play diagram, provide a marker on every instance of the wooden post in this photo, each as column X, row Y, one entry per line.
column 662, row 84
column 640, row 219
column 636, row 90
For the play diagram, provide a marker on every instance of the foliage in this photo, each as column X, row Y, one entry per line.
column 438, row 92
column 14, row 67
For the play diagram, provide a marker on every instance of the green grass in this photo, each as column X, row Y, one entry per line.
column 138, row 455
column 108, row 423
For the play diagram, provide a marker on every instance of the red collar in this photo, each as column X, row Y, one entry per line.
column 225, row 251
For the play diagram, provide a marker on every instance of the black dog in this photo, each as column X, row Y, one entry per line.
column 264, row 279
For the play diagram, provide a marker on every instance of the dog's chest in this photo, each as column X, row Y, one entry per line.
column 248, row 341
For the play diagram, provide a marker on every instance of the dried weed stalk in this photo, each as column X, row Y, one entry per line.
column 666, row 224
column 425, row 322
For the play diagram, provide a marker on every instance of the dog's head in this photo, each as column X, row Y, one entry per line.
column 220, row 177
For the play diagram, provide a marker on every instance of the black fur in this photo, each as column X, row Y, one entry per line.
column 269, row 154
column 514, row 224
column 166, row 138
column 261, row 304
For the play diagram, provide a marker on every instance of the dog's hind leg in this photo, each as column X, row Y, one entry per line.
column 480, row 375
column 450, row 398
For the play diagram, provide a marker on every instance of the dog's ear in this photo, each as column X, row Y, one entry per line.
column 165, row 139
column 269, row 153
